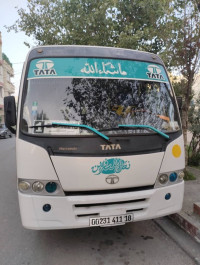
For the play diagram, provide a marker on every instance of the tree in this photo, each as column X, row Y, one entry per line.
column 194, row 128
column 67, row 22
column 182, row 49
column 127, row 23
column 140, row 22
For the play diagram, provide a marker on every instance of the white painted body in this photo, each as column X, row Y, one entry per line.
column 171, row 163
column 75, row 174
column 64, row 211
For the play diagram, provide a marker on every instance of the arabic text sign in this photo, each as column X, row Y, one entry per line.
column 96, row 68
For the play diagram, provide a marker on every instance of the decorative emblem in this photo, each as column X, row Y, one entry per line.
column 112, row 179
column 44, row 67
column 110, row 147
column 154, row 72
column 111, row 166
column 103, row 68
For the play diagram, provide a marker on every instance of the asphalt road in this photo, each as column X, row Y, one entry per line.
column 135, row 243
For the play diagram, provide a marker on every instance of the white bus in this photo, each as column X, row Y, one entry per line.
column 98, row 138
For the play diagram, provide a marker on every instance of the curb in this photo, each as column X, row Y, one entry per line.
column 180, row 237
column 196, row 208
column 187, row 223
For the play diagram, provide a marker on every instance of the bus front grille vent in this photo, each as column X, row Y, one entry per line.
column 94, row 209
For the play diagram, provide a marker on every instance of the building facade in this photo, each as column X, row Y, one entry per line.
column 6, row 86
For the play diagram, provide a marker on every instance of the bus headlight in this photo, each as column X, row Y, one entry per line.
column 163, row 179
column 37, row 186
column 40, row 187
column 169, row 178
column 24, row 185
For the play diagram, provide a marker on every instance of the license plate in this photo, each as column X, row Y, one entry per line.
column 111, row 220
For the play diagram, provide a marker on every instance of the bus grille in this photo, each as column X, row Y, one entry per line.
column 103, row 192
column 94, row 209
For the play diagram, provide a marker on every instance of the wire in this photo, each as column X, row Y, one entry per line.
column 18, row 63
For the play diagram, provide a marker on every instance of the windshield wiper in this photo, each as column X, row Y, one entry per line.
column 144, row 127
column 55, row 124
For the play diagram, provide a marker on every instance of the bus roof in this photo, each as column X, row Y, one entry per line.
column 92, row 51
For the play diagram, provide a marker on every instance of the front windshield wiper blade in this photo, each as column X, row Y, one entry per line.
column 82, row 126
column 55, row 124
column 144, row 127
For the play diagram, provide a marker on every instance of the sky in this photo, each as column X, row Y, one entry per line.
column 13, row 43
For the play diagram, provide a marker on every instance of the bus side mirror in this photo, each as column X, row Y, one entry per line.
column 10, row 113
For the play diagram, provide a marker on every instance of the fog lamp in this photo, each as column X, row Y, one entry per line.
column 173, row 177
column 51, row 187
column 163, row 179
column 46, row 207
column 181, row 175
column 24, row 185
column 37, row 186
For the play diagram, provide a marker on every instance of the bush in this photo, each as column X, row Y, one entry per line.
column 194, row 160
column 189, row 176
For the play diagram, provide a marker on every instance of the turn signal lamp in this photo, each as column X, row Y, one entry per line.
column 173, row 177
column 181, row 175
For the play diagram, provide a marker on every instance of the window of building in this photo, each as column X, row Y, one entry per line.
column 8, row 77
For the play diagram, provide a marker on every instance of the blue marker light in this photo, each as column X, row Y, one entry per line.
column 173, row 177
column 167, row 196
column 46, row 207
column 51, row 187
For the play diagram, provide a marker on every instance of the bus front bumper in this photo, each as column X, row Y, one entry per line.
column 75, row 211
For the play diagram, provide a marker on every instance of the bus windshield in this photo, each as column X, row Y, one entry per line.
column 100, row 100
column 99, row 103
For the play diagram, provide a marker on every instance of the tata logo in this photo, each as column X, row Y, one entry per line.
column 106, row 147
column 44, row 67
column 154, row 72
column 112, row 179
